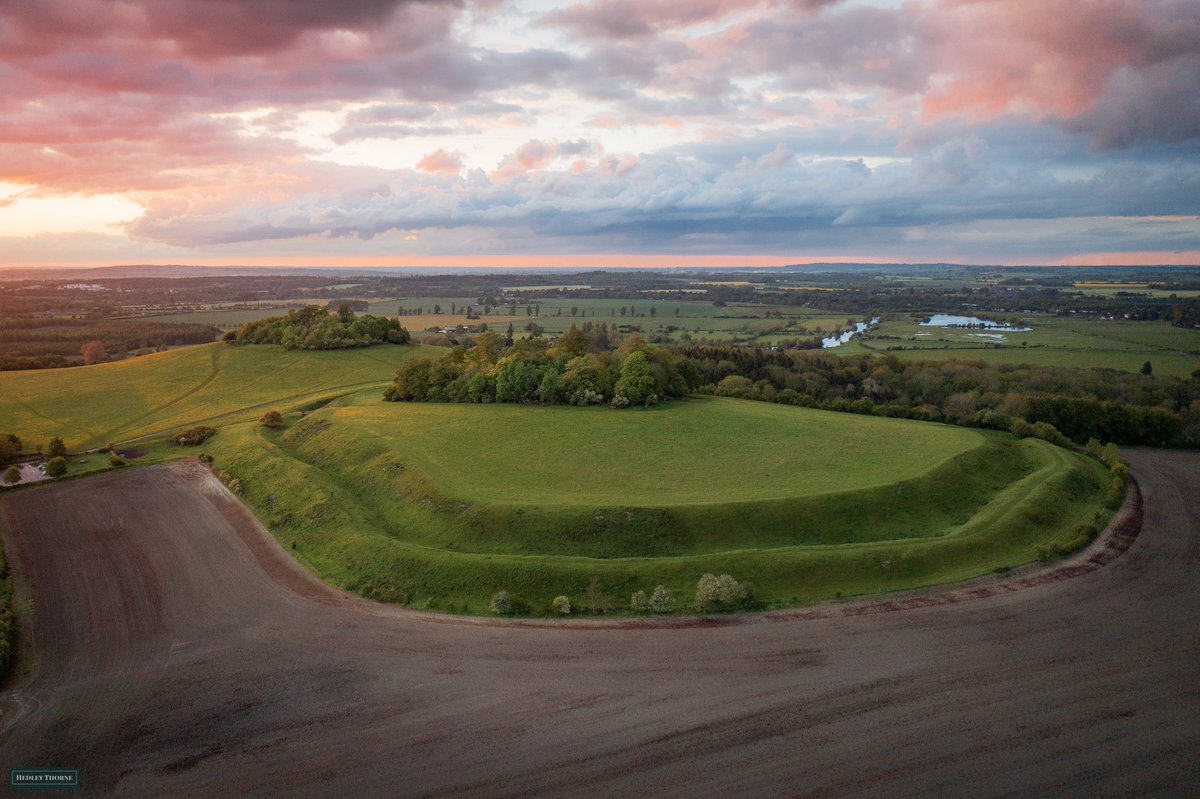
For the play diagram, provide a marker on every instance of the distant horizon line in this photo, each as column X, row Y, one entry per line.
column 590, row 268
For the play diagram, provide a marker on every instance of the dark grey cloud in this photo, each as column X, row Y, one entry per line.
column 670, row 199
column 1153, row 103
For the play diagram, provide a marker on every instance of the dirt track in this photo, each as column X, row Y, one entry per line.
column 180, row 652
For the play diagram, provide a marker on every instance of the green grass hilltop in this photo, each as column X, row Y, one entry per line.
column 439, row 506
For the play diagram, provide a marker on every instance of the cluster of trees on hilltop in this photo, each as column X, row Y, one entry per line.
column 1120, row 407
column 571, row 371
column 315, row 328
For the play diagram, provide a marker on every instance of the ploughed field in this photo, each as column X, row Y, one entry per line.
column 439, row 506
column 172, row 648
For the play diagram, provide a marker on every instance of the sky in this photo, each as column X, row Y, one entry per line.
column 599, row 133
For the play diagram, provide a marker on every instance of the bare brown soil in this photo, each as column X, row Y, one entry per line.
column 176, row 650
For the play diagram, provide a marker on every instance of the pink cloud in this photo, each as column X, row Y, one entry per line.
column 629, row 19
column 1098, row 66
column 92, row 147
column 200, row 28
column 142, row 97
column 440, row 162
column 995, row 56
column 534, row 155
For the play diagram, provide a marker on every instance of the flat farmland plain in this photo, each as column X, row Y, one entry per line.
column 175, row 649
column 1053, row 341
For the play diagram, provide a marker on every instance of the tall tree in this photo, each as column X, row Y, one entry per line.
column 10, row 447
column 93, row 352
column 637, row 383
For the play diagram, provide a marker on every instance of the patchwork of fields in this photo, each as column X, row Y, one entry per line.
column 742, row 323
column 1052, row 341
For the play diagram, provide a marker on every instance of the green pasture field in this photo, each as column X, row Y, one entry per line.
column 1053, row 341
column 736, row 323
column 1113, row 290
column 741, row 323
column 91, row 406
column 668, row 455
column 232, row 319
column 226, row 318
column 230, row 315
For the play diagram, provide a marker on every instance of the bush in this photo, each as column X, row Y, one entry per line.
column 1084, row 535
column 598, row 601
column 1110, row 455
column 1118, row 471
column 1114, row 496
column 56, row 467
column 561, row 604
column 12, row 475
column 116, row 460
column 229, row 481
column 722, row 594
column 639, row 602
column 195, row 436
column 272, row 419
column 734, row 386
column 56, row 448
column 502, row 604
column 662, row 600
column 10, row 447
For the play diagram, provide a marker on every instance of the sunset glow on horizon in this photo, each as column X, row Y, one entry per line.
column 606, row 133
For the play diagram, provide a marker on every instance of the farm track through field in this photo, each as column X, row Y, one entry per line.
column 246, row 412
column 62, row 422
column 180, row 651
column 214, row 371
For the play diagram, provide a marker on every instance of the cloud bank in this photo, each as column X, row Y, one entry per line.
column 979, row 129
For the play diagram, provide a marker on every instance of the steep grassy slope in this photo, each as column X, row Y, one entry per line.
column 93, row 405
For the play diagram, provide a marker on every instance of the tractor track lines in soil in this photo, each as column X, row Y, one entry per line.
column 181, row 651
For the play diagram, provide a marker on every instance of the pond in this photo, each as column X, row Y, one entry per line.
column 949, row 320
